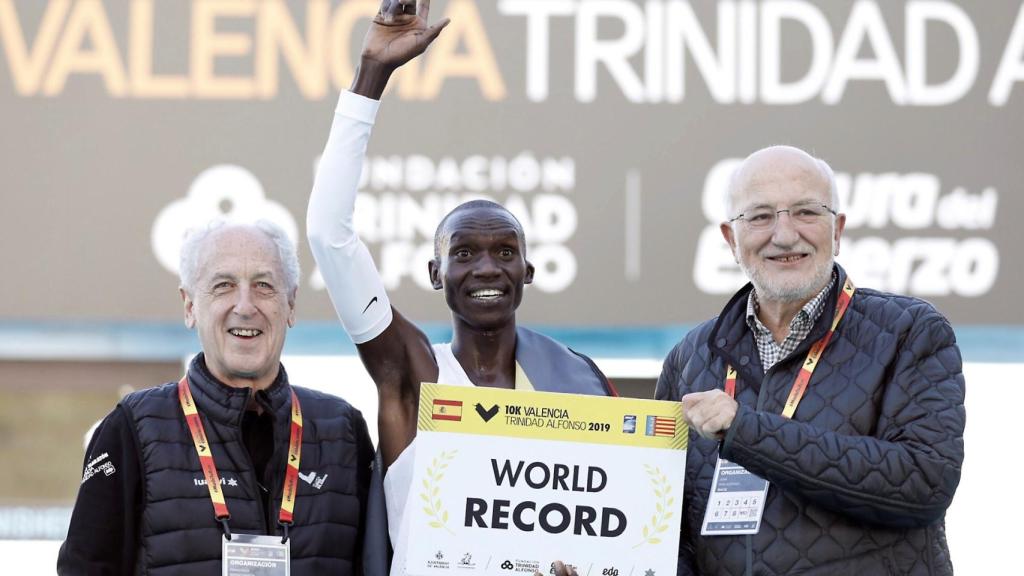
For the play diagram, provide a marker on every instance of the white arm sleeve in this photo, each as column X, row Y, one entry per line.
column 348, row 270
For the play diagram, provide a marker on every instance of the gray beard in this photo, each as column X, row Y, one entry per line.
column 802, row 292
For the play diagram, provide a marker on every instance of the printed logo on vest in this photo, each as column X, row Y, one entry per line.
column 312, row 479
column 97, row 465
column 224, row 481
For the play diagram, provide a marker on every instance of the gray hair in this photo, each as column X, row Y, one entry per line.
column 833, row 190
column 823, row 168
column 188, row 268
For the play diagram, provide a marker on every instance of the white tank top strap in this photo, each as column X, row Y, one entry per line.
column 449, row 371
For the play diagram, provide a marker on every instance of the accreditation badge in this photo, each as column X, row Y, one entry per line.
column 736, row 504
column 255, row 555
column 506, row 482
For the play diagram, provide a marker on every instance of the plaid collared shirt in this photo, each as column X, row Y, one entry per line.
column 770, row 351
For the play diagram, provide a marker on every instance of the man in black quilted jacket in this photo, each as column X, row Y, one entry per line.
column 837, row 409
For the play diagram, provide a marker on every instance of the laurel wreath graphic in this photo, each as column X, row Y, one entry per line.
column 662, row 507
column 434, row 508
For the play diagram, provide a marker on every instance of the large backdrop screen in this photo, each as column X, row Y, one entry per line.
column 610, row 127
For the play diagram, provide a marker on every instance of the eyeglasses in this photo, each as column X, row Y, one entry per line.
column 765, row 218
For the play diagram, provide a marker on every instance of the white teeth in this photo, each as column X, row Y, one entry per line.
column 488, row 293
column 245, row 332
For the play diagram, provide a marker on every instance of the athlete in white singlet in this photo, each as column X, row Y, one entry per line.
column 479, row 263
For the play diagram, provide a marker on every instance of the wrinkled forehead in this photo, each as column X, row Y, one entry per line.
column 780, row 177
column 474, row 222
column 239, row 251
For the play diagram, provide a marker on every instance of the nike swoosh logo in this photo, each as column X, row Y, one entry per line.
column 372, row 300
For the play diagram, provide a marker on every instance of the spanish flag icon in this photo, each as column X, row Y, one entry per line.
column 447, row 410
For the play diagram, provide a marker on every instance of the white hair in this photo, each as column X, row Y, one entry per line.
column 188, row 268
column 833, row 190
column 823, row 168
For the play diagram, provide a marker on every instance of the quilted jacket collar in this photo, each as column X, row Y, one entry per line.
column 731, row 339
column 226, row 404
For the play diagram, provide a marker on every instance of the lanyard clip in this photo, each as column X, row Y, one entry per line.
column 284, row 529
column 224, row 526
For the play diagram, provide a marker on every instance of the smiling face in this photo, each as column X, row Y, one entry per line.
column 481, row 266
column 240, row 306
column 792, row 261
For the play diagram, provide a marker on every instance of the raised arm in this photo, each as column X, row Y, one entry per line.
column 396, row 353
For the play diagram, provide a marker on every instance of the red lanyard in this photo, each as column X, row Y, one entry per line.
column 291, row 477
column 810, row 363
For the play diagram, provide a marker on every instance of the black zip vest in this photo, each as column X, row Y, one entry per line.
column 180, row 534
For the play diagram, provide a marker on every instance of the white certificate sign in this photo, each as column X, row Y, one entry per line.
column 506, row 482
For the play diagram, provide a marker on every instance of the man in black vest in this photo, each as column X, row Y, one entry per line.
column 175, row 471
column 836, row 410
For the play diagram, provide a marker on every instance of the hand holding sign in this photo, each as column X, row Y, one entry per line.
column 560, row 569
column 709, row 413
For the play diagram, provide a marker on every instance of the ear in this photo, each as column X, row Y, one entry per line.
column 840, row 225
column 528, row 278
column 730, row 236
column 190, row 319
column 291, row 306
column 434, row 269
